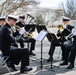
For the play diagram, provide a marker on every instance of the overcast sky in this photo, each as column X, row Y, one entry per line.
column 50, row 3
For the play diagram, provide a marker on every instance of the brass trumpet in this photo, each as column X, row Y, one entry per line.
column 60, row 27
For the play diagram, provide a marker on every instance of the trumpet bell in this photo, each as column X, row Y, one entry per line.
column 60, row 26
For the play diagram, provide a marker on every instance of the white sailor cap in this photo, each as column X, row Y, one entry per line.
column 64, row 18
column 13, row 17
column 22, row 16
column 2, row 18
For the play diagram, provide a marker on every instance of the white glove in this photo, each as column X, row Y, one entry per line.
column 74, row 31
column 22, row 30
column 64, row 26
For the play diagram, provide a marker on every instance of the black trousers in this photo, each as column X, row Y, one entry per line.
column 31, row 40
column 16, row 55
column 55, row 44
column 70, row 52
column 72, row 55
column 67, row 53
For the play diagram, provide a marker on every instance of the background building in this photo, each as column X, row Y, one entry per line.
column 49, row 15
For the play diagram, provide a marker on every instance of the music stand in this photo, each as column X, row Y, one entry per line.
column 51, row 38
column 39, row 29
column 40, row 38
column 29, row 28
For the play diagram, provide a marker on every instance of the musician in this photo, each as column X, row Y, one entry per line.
column 68, row 30
column 2, row 22
column 62, row 34
column 21, row 23
column 15, row 54
column 70, row 52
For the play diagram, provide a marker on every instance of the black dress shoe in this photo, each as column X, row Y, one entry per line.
column 63, row 63
column 50, row 59
column 70, row 66
column 25, row 69
column 31, row 53
column 12, row 66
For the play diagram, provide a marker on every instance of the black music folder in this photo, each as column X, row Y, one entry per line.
column 30, row 27
column 51, row 37
column 40, row 28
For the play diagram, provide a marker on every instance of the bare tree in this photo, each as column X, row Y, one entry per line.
column 10, row 6
column 70, row 9
column 56, row 16
column 39, row 20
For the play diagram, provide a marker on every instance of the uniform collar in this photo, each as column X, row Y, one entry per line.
column 8, row 25
column 21, row 22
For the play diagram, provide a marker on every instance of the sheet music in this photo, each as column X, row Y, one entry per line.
column 22, row 30
column 41, row 35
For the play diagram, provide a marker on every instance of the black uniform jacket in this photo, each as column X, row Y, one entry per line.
column 64, row 33
column 7, row 38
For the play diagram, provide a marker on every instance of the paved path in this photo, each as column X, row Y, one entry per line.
column 35, row 71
